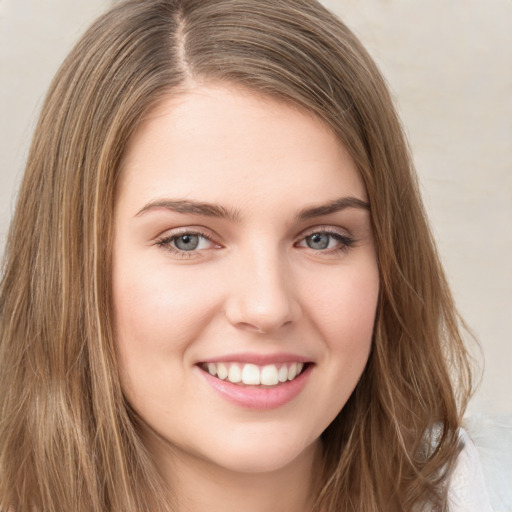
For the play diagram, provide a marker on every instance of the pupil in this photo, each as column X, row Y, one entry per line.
column 318, row 241
column 187, row 242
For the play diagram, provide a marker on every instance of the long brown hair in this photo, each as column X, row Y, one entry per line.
column 68, row 440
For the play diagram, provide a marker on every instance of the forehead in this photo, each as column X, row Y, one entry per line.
column 223, row 143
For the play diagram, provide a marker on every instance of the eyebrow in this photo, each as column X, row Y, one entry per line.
column 192, row 208
column 332, row 207
column 215, row 210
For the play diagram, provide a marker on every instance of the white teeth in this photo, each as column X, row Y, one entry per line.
column 292, row 371
column 253, row 375
column 283, row 374
column 222, row 371
column 269, row 375
column 235, row 374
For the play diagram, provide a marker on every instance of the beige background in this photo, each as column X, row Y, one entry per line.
column 449, row 65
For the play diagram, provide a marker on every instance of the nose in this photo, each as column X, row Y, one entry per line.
column 262, row 297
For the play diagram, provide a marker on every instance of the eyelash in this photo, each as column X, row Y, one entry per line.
column 346, row 242
column 166, row 243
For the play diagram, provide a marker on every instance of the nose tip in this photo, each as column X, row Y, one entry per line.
column 257, row 317
column 262, row 301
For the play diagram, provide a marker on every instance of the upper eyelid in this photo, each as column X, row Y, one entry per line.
column 185, row 230
column 324, row 229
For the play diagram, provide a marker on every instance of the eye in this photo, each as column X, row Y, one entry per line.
column 328, row 241
column 186, row 242
column 319, row 241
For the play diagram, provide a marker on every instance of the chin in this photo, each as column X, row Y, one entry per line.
column 260, row 453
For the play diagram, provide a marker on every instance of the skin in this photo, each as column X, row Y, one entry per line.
column 257, row 287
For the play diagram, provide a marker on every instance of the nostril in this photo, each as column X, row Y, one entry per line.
column 246, row 326
column 262, row 304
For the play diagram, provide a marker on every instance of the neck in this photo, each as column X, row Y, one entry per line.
column 198, row 485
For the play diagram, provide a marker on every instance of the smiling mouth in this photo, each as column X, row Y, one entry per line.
column 248, row 374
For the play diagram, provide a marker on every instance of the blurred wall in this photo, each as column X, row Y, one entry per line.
column 449, row 65
column 35, row 36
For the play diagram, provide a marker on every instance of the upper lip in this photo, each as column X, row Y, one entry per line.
column 258, row 359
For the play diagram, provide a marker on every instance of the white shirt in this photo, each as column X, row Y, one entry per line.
column 467, row 490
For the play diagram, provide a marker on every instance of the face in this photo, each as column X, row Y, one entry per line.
column 245, row 280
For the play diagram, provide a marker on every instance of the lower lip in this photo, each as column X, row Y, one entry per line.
column 252, row 397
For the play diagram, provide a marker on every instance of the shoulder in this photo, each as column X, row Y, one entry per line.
column 467, row 490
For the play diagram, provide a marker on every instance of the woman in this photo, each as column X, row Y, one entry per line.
column 229, row 296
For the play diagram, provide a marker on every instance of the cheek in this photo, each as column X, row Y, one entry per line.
column 344, row 305
column 159, row 313
column 158, row 307
column 343, row 308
